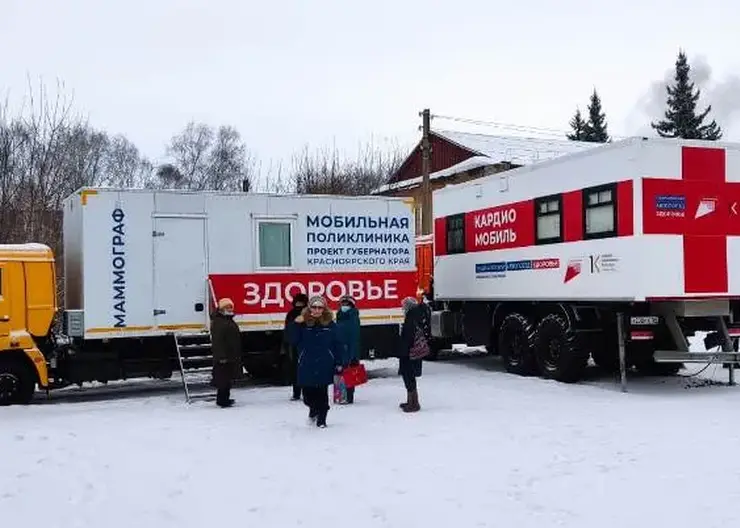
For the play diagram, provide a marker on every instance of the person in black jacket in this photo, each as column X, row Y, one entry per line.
column 416, row 316
column 300, row 301
column 226, row 346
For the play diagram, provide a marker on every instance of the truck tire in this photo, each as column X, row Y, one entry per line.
column 17, row 382
column 559, row 354
column 515, row 344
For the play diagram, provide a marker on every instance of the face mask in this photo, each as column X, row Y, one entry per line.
column 344, row 308
column 228, row 313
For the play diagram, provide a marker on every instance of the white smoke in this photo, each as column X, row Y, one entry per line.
column 723, row 95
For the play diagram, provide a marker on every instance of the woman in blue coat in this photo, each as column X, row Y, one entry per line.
column 348, row 326
column 314, row 334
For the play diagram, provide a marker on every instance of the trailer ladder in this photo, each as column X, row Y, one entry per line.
column 195, row 360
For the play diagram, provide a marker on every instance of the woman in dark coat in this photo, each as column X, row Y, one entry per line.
column 314, row 334
column 300, row 301
column 348, row 326
column 226, row 346
column 415, row 316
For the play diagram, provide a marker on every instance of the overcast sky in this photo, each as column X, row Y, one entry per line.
column 288, row 73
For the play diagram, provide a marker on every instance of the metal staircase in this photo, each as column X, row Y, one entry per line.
column 195, row 360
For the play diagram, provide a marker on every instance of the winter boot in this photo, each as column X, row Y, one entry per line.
column 406, row 403
column 413, row 405
column 321, row 419
column 296, row 393
column 351, row 395
column 223, row 398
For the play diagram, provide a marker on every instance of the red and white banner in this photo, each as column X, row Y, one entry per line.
column 262, row 293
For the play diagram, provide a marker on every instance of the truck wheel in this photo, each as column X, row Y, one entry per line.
column 17, row 383
column 515, row 340
column 558, row 352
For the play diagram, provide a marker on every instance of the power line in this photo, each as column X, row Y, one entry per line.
column 511, row 126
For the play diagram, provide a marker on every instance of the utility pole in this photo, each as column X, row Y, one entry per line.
column 426, row 185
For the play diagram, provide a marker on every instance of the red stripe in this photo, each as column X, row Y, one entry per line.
column 704, row 264
column 704, row 257
column 625, row 209
column 573, row 216
column 703, row 164
column 440, row 236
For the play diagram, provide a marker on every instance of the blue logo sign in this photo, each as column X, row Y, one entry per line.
column 670, row 202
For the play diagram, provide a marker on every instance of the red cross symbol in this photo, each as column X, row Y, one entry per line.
column 703, row 208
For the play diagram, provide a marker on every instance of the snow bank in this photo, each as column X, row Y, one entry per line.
column 488, row 449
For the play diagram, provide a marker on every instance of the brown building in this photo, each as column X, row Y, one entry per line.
column 461, row 156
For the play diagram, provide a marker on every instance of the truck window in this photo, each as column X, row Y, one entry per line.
column 275, row 244
column 456, row 234
column 600, row 212
column 549, row 216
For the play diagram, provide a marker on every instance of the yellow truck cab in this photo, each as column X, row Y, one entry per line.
column 28, row 306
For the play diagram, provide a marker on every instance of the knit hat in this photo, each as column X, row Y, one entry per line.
column 300, row 298
column 407, row 304
column 225, row 303
column 347, row 299
column 317, row 300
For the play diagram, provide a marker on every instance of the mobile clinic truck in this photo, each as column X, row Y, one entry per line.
column 536, row 262
column 143, row 268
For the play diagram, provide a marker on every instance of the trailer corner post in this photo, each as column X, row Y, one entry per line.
column 622, row 352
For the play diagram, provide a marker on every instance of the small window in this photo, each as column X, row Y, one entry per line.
column 456, row 234
column 600, row 212
column 275, row 244
column 549, row 219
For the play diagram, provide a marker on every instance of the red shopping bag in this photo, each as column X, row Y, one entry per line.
column 354, row 375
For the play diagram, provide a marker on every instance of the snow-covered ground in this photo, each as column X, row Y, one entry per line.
column 488, row 449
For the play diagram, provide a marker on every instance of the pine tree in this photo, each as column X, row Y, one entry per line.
column 578, row 125
column 681, row 119
column 595, row 129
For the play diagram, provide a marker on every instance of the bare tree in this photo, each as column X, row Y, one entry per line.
column 229, row 161
column 125, row 167
column 326, row 172
column 207, row 160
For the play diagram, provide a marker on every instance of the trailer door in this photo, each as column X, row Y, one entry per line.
column 180, row 272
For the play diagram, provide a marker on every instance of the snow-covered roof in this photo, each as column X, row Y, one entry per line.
column 514, row 149
column 30, row 247
column 469, row 164
column 493, row 150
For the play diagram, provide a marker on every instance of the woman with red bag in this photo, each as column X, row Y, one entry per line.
column 348, row 328
column 413, row 347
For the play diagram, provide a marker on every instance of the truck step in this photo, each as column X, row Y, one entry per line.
column 671, row 356
column 195, row 346
column 195, row 362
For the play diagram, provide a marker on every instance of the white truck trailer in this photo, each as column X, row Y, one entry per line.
column 536, row 262
column 143, row 269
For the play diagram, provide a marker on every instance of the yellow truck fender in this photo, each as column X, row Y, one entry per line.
column 39, row 363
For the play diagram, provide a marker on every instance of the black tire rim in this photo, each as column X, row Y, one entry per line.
column 551, row 355
column 516, row 347
column 10, row 386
